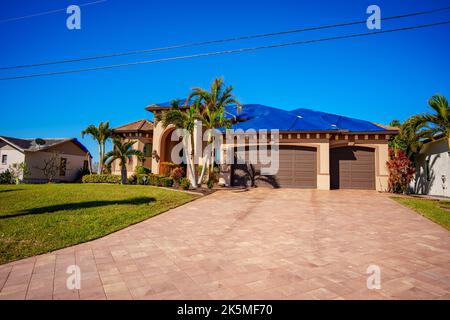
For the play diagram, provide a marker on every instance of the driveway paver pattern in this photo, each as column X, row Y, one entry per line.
column 259, row 244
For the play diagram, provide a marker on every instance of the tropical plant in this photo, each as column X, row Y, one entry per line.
column 439, row 122
column 121, row 152
column 18, row 170
column 401, row 171
column 410, row 137
column 101, row 134
column 213, row 105
column 183, row 119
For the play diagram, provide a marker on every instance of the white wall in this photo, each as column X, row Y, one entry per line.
column 14, row 156
column 437, row 182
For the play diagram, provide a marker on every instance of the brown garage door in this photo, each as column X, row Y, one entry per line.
column 352, row 168
column 297, row 169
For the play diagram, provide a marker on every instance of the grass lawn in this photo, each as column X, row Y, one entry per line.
column 432, row 209
column 39, row 218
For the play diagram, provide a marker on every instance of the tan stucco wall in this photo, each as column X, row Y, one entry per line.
column 35, row 160
column 139, row 145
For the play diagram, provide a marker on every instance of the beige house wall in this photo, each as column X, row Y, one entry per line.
column 35, row 160
column 141, row 140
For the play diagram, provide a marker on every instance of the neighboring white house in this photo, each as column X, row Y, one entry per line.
column 68, row 154
column 433, row 169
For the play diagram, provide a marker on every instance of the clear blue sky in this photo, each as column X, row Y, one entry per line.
column 375, row 78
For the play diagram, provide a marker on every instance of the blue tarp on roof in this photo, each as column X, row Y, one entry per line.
column 256, row 116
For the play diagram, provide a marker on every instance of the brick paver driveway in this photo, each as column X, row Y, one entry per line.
column 278, row 244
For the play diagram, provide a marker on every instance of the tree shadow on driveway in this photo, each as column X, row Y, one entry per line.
column 79, row 205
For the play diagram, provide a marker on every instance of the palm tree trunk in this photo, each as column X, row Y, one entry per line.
column 123, row 172
column 191, row 159
column 99, row 169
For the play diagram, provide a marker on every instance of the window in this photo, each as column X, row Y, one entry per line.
column 4, row 159
column 85, row 165
column 148, row 150
column 62, row 167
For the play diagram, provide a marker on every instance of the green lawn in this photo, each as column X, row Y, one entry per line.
column 432, row 209
column 39, row 218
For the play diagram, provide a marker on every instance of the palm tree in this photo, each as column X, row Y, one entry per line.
column 439, row 123
column 122, row 151
column 410, row 137
column 101, row 134
column 213, row 104
column 183, row 120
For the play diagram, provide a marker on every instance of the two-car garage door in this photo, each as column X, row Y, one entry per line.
column 350, row 168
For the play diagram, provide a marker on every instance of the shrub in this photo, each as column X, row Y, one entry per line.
column 177, row 174
column 142, row 179
column 401, row 171
column 167, row 168
column 101, row 178
column 185, row 183
column 132, row 179
column 6, row 177
column 159, row 180
column 142, row 170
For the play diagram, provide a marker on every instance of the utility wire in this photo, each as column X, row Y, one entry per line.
column 285, row 44
column 48, row 12
column 202, row 43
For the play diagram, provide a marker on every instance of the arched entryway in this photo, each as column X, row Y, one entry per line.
column 166, row 147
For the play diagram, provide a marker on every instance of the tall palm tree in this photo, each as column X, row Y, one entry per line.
column 122, row 152
column 439, row 122
column 213, row 104
column 183, row 119
column 100, row 134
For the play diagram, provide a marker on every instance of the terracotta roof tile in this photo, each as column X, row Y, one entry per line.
column 140, row 125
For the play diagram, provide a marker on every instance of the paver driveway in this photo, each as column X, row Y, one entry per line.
column 278, row 244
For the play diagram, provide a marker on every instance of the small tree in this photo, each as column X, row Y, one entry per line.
column 51, row 166
column 122, row 152
column 401, row 171
column 18, row 170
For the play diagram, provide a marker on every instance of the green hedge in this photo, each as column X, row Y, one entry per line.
column 101, row 178
column 154, row 180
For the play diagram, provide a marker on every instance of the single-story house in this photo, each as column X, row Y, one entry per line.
column 67, row 155
column 433, row 168
column 317, row 149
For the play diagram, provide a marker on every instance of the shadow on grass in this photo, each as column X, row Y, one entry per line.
column 79, row 205
column 10, row 190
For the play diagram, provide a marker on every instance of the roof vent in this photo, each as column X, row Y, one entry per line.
column 300, row 117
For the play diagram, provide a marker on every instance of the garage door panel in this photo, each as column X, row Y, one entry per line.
column 296, row 168
column 352, row 168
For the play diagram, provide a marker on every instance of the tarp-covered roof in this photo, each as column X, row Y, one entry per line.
column 257, row 116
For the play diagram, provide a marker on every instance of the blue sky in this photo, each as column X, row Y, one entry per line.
column 375, row 78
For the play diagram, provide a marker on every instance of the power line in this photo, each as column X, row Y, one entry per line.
column 285, row 44
column 48, row 12
column 201, row 43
